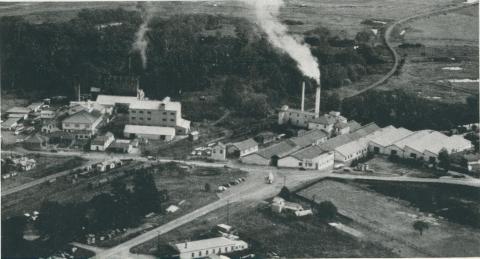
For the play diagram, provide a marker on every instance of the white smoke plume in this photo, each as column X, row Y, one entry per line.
column 267, row 18
column 141, row 43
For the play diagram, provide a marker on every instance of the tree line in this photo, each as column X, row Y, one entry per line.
column 58, row 224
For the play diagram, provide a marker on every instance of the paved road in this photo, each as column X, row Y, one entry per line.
column 387, row 40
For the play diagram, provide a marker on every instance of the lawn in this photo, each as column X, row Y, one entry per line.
column 389, row 221
column 266, row 232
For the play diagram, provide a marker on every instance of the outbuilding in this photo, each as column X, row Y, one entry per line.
column 242, row 148
column 313, row 157
column 205, row 247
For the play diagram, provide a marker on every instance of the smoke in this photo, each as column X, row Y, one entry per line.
column 141, row 43
column 267, row 17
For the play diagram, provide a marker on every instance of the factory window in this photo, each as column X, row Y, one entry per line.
column 193, row 255
column 149, row 112
column 164, row 119
column 172, row 120
column 133, row 118
column 232, row 248
column 77, row 125
column 206, row 252
column 140, row 111
column 164, row 113
column 299, row 163
column 221, row 151
column 172, row 113
column 141, row 118
column 67, row 124
column 200, row 253
column 133, row 111
column 149, row 119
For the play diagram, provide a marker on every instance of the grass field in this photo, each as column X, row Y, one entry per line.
column 450, row 40
column 389, row 221
column 266, row 232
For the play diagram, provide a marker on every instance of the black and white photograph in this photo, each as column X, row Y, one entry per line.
column 239, row 129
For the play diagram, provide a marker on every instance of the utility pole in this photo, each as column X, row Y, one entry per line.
column 228, row 212
column 284, row 180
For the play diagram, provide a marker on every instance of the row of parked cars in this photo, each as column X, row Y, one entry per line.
column 224, row 187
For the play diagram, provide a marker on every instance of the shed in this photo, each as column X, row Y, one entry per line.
column 149, row 132
column 242, row 148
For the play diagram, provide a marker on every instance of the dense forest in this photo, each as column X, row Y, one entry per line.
column 185, row 53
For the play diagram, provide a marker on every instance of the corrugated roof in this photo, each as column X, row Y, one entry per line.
column 411, row 138
column 341, row 140
column 83, row 117
column 389, row 135
column 309, row 137
column 280, row 149
column 204, row 244
column 246, row 144
column 151, row 130
column 309, row 152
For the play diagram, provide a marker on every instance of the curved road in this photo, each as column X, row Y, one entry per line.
column 387, row 39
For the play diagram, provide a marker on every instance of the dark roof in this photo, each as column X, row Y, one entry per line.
column 280, row 149
column 341, row 140
column 309, row 152
column 83, row 117
column 354, row 125
column 246, row 144
column 324, row 120
column 309, row 137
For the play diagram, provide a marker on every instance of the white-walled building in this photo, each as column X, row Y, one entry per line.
column 389, row 135
column 219, row 152
column 101, row 143
column 149, row 132
column 313, row 157
column 82, row 124
column 204, row 248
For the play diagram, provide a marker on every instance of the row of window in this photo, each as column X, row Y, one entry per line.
column 215, row 251
column 76, row 125
column 148, row 119
column 149, row 112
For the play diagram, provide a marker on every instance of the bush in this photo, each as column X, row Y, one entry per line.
column 325, row 210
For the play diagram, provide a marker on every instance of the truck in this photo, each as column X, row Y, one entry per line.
column 269, row 179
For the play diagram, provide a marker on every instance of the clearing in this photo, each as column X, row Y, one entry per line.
column 389, row 221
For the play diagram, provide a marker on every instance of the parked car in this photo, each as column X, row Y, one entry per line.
column 221, row 188
column 347, row 169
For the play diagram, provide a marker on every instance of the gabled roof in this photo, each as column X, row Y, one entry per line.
column 309, row 152
column 155, row 105
column 389, row 135
column 9, row 122
column 338, row 141
column 353, row 125
column 280, row 149
column 309, row 137
column 246, row 144
column 82, row 117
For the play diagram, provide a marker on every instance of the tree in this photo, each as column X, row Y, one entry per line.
column 326, row 210
column 284, row 193
column 207, row 187
column 444, row 159
column 420, row 226
column 146, row 197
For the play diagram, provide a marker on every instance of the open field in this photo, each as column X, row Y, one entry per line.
column 448, row 51
column 266, row 232
column 389, row 221
column 46, row 165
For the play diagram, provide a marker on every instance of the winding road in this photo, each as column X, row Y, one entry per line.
column 387, row 40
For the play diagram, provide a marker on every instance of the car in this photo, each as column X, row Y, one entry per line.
column 233, row 183
column 150, row 158
column 227, row 185
column 221, row 188
column 347, row 169
column 338, row 166
column 302, row 169
column 53, row 151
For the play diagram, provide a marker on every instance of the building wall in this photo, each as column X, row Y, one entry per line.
column 161, row 117
column 289, row 161
column 324, row 161
column 389, row 149
column 219, row 152
column 249, row 151
column 151, row 136
column 408, row 152
column 328, row 128
column 255, row 159
column 73, row 127
column 203, row 253
column 381, row 149
column 297, row 118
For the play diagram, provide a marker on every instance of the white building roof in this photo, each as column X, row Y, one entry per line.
column 412, row 138
column 150, row 130
column 155, row 105
column 113, row 99
column 10, row 122
column 18, row 109
column 193, row 246
column 388, row 135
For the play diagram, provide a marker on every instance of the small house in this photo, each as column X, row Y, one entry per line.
column 50, row 125
column 193, row 135
column 123, row 146
column 101, row 143
column 35, row 142
column 265, row 137
column 219, row 151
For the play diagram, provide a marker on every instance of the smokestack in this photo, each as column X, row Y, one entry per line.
column 79, row 92
column 317, row 101
column 303, row 95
